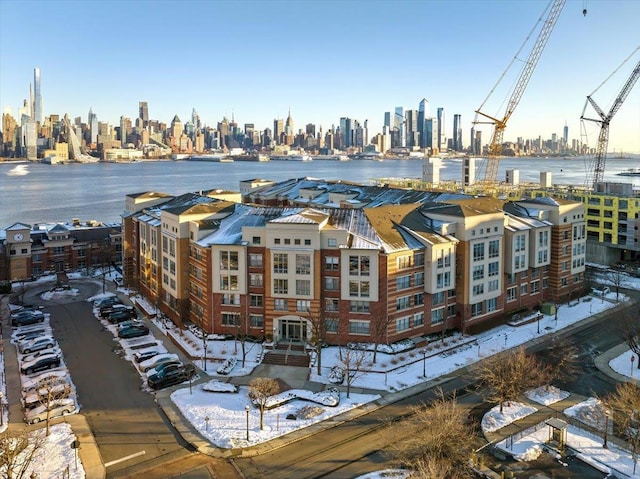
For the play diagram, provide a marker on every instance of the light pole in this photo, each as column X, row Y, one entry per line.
column 538, row 321
column 246, row 408
column 606, row 428
column 424, row 363
column 632, row 360
column 1, row 408
column 204, row 349
column 206, row 423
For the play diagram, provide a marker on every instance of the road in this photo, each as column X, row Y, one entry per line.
column 355, row 448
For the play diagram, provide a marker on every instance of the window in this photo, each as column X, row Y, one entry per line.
column 331, row 284
column 255, row 260
column 359, row 288
column 359, row 306
column 280, row 286
column 451, row 310
column 276, row 241
column 402, row 324
column 478, row 252
column 331, row 325
column 228, row 282
column 303, row 264
column 331, row 304
column 418, row 279
column 478, row 289
column 256, row 321
column 519, row 243
column 492, row 305
column 303, row 287
column 331, row 263
column 296, row 241
column 437, row 298
column 511, row 294
column 255, row 279
column 418, row 259
column 231, row 299
column 307, row 242
column 543, row 256
column 494, row 268
column 543, row 238
column 493, row 285
column 535, row 287
column 332, row 242
column 359, row 265
column 437, row 316
column 229, row 260
column 523, row 289
column 303, row 305
column 287, row 241
column 418, row 319
column 404, row 262
column 255, row 300
column 58, row 250
column 280, row 304
column 255, row 240
column 359, row 327
column 280, row 263
column 478, row 272
column 403, row 303
column 418, row 299
column 476, row 310
column 230, row 319
column 403, row 282
column 494, row 248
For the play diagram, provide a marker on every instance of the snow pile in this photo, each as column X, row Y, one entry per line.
column 227, row 366
column 59, row 292
column 624, row 366
column 546, row 395
column 219, row 387
column 511, row 412
column 589, row 412
column 387, row 474
column 330, row 397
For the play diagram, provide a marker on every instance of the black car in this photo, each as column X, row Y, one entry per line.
column 106, row 311
column 108, row 301
column 133, row 332
column 121, row 316
column 24, row 318
column 169, row 377
column 48, row 362
column 29, row 335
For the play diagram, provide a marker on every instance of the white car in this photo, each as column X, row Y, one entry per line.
column 149, row 364
column 38, row 354
column 42, row 379
column 37, row 344
column 40, row 397
column 57, row 408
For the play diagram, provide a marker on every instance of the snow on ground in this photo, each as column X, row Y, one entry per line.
column 546, row 395
column 226, row 426
column 55, row 458
column 511, row 412
column 624, row 366
column 589, row 412
column 387, row 474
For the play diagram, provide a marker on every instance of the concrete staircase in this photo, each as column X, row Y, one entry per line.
column 287, row 354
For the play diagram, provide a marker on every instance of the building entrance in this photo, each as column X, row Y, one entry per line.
column 293, row 329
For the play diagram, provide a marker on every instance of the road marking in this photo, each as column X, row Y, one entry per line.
column 125, row 458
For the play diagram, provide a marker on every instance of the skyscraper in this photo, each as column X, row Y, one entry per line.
column 92, row 121
column 37, row 105
column 442, row 136
column 399, row 125
column 457, row 132
column 423, row 114
column 143, row 108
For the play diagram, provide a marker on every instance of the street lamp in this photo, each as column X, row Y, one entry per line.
column 538, row 321
column 206, row 423
column 204, row 349
column 632, row 360
column 424, row 363
column 606, row 428
column 1, row 408
column 246, row 408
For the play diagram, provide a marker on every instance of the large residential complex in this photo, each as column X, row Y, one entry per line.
column 372, row 263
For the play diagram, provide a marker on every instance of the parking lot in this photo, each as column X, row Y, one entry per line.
column 128, row 426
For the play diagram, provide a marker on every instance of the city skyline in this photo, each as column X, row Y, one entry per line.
column 258, row 60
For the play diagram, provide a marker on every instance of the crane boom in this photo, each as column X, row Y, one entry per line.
column 495, row 147
column 596, row 172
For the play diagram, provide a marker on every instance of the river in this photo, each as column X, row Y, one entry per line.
column 50, row 193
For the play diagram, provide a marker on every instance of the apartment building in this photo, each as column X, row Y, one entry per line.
column 373, row 272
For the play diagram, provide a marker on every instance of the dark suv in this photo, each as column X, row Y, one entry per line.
column 170, row 376
column 47, row 362
column 26, row 317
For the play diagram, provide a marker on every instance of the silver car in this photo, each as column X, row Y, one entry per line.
column 57, row 408
column 37, row 344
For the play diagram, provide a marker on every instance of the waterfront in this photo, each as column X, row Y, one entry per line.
column 97, row 191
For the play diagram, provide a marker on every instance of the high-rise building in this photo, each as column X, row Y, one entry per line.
column 278, row 129
column 565, row 134
column 423, row 114
column 37, row 105
column 399, row 126
column 92, row 121
column 457, row 132
column 143, row 108
column 442, row 136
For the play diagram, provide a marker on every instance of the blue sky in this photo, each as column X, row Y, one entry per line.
column 324, row 60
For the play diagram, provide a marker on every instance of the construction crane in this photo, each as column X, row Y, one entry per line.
column 495, row 147
column 595, row 171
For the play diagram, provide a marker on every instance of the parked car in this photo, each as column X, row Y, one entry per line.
column 106, row 301
column 133, row 332
column 170, row 377
column 44, row 379
column 42, row 342
column 120, row 316
column 28, row 334
column 46, row 395
column 165, row 366
column 47, row 362
column 58, row 408
column 107, row 311
column 130, row 322
column 38, row 354
column 27, row 317
column 145, row 366
column 145, row 354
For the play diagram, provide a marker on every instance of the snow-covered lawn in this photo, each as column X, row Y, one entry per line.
column 226, row 426
column 546, row 395
column 624, row 366
column 589, row 412
column 511, row 412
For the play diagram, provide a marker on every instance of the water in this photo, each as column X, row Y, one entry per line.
column 97, row 191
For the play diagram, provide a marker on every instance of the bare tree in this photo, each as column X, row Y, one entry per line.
column 435, row 441
column 50, row 392
column 624, row 408
column 631, row 333
column 505, row 376
column 318, row 323
column 260, row 390
column 561, row 361
column 17, row 450
column 617, row 278
column 351, row 361
column 241, row 326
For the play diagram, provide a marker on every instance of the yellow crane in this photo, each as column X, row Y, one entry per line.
column 490, row 165
column 595, row 171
